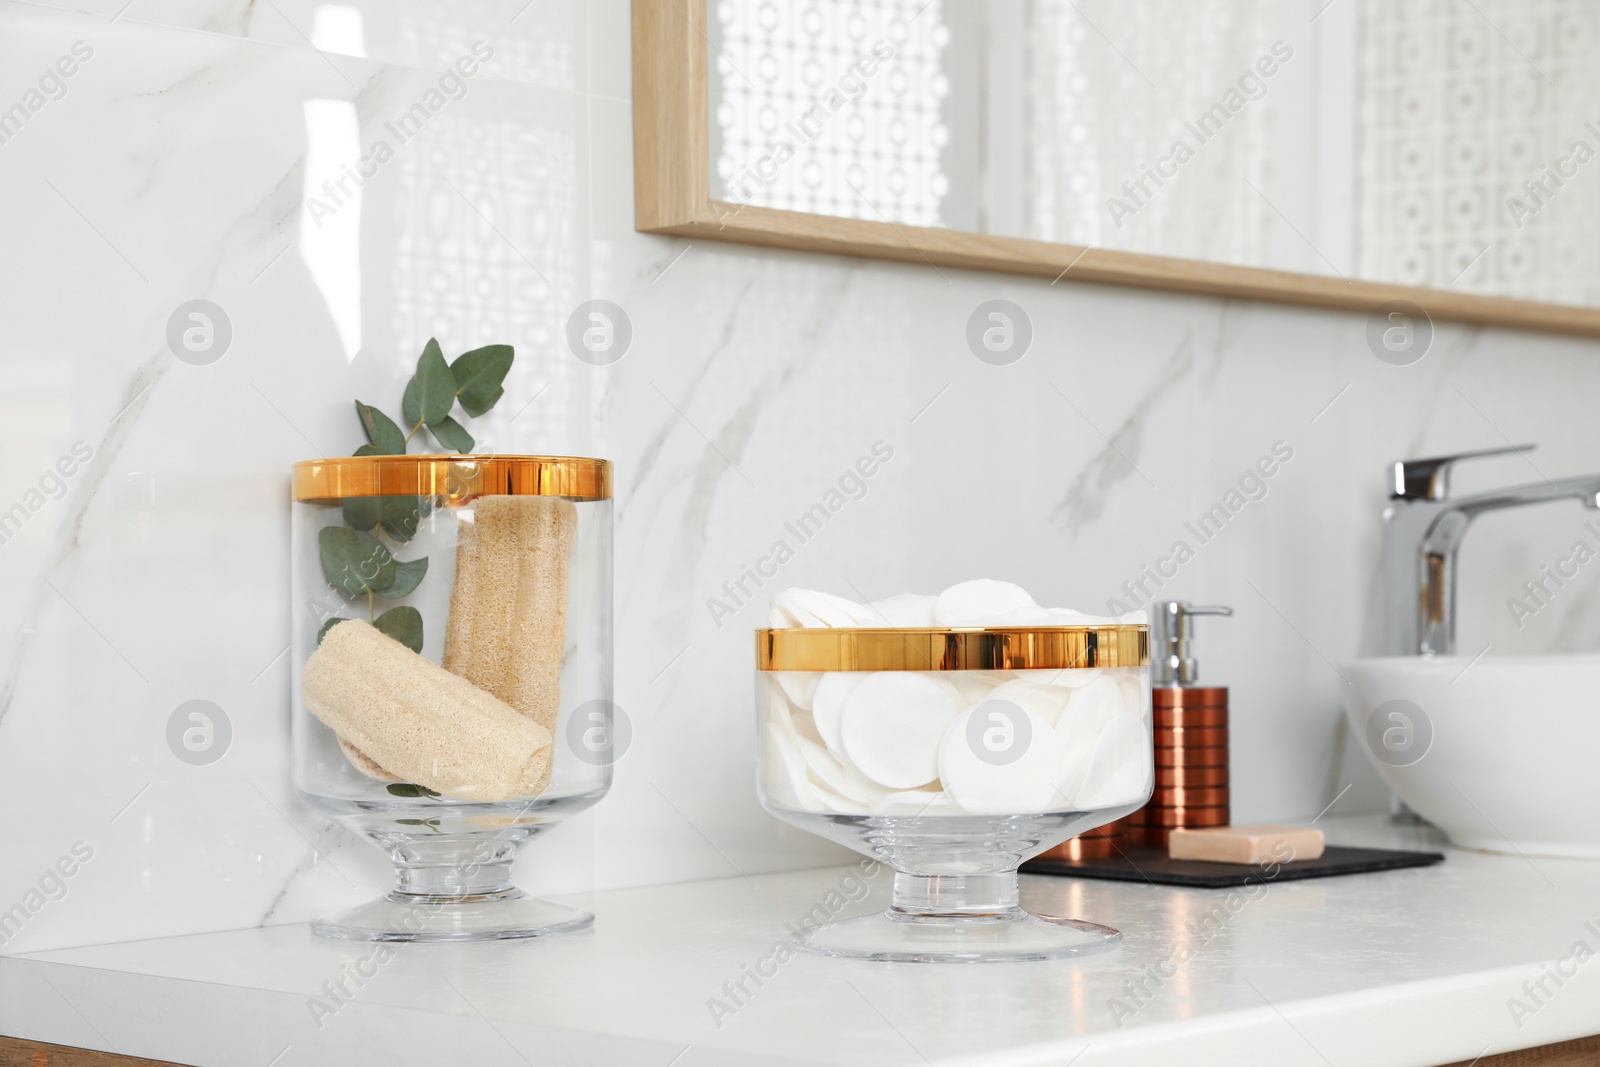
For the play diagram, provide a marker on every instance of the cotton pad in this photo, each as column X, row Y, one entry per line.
column 1134, row 695
column 1047, row 701
column 1072, row 677
column 799, row 686
column 1015, row 774
column 806, row 726
column 1024, row 617
column 974, row 603
column 1075, row 761
column 785, row 766
column 916, row 802
column 827, row 706
column 831, row 801
column 892, row 726
column 831, row 774
column 981, row 602
column 908, row 611
column 809, row 608
column 974, row 686
column 1089, row 710
column 1120, row 771
column 942, row 680
column 896, row 742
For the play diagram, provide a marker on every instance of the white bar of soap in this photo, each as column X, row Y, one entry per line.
column 1255, row 845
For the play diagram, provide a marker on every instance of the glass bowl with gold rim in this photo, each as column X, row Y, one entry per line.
column 953, row 755
column 451, row 656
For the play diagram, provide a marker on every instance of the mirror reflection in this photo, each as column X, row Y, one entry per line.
column 1441, row 143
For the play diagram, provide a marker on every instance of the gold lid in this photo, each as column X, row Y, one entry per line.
column 1010, row 648
column 455, row 477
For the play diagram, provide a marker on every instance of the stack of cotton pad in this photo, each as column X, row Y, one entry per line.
column 983, row 602
column 953, row 742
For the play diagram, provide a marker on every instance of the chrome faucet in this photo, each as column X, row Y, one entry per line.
column 1422, row 530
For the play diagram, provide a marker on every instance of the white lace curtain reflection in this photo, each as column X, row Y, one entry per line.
column 1115, row 87
column 1481, row 132
column 830, row 106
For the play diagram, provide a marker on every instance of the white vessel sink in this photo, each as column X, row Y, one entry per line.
column 1500, row 754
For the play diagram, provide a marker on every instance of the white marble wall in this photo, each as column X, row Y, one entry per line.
column 174, row 168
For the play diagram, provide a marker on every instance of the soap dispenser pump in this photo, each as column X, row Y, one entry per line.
column 1191, row 731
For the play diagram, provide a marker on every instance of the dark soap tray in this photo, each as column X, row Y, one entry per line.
column 1154, row 865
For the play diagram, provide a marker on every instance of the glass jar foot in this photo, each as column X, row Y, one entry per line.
column 476, row 917
column 955, row 919
column 449, row 890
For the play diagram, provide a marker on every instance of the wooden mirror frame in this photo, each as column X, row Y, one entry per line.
column 672, row 196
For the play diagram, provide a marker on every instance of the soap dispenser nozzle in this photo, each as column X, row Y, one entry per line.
column 1172, row 659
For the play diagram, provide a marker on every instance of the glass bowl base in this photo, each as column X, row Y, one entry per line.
column 1010, row 937
column 477, row 917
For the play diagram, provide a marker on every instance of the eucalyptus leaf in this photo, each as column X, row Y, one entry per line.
column 407, row 576
column 381, row 431
column 354, row 562
column 479, row 375
column 404, row 624
column 451, row 434
column 330, row 624
column 401, row 514
column 406, row 789
column 369, row 450
column 411, row 404
column 436, row 386
column 361, row 512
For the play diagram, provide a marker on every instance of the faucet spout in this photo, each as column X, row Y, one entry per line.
column 1421, row 542
column 1584, row 488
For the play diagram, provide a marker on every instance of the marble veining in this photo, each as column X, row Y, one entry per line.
column 657, row 441
column 1085, row 498
column 67, row 535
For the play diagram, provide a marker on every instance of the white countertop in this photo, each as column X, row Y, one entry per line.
column 1409, row 967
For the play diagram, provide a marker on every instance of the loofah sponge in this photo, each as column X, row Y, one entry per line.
column 508, row 608
column 363, row 762
column 421, row 723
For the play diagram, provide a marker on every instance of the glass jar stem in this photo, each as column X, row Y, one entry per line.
column 934, row 896
column 462, row 868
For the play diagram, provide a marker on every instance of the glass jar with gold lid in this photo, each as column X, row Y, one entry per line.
column 952, row 755
column 451, row 651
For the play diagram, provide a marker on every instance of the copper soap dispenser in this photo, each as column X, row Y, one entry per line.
column 1191, row 732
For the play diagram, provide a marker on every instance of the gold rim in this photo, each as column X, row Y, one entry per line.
column 998, row 649
column 456, row 478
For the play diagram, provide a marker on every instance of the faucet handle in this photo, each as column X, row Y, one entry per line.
column 1429, row 479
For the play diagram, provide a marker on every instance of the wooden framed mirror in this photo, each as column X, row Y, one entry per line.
column 1462, row 107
